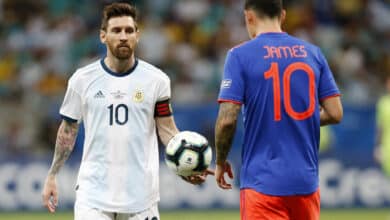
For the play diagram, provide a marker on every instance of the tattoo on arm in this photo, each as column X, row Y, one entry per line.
column 224, row 130
column 66, row 138
column 166, row 128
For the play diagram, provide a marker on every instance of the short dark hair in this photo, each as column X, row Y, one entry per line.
column 118, row 10
column 269, row 8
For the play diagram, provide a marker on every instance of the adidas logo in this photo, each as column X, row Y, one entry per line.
column 99, row 94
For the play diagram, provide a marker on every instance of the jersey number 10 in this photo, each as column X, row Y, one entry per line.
column 120, row 113
column 273, row 73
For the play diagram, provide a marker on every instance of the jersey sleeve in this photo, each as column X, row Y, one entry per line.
column 164, row 89
column 232, row 85
column 71, row 106
column 327, row 85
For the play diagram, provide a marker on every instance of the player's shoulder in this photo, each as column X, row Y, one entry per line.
column 307, row 44
column 311, row 49
column 242, row 46
column 152, row 71
column 85, row 72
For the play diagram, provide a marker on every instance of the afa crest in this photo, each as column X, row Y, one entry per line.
column 138, row 96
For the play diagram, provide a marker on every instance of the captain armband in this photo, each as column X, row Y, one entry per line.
column 163, row 108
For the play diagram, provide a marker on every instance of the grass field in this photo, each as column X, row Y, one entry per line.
column 350, row 214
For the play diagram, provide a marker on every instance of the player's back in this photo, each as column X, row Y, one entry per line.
column 282, row 79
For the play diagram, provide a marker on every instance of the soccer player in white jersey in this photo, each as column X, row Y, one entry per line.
column 121, row 100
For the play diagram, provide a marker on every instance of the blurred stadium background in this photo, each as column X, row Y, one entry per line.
column 44, row 41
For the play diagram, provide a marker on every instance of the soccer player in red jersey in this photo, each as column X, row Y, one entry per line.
column 287, row 91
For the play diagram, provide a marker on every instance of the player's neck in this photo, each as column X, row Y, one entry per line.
column 268, row 26
column 119, row 65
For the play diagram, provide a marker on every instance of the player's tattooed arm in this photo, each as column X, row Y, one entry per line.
column 225, row 128
column 66, row 138
column 166, row 128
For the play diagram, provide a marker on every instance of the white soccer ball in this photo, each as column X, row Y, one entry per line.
column 188, row 153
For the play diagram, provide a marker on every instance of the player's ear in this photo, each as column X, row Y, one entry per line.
column 249, row 19
column 283, row 17
column 137, row 35
column 102, row 36
column 250, row 22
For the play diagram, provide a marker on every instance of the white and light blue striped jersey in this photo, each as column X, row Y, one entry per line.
column 120, row 162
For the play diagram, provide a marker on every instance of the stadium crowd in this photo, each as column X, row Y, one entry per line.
column 44, row 42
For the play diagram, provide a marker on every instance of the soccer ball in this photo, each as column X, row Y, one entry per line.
column 188, row 153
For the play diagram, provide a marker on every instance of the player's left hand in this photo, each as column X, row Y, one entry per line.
column 199, row 178
column 50, row 194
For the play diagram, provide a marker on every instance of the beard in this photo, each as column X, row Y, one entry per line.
column 121, row 52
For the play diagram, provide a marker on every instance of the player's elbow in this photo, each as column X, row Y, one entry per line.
column 333, row 110
column 336, row 116
column 227, row 123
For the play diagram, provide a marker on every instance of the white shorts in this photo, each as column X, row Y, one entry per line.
column 87, row 213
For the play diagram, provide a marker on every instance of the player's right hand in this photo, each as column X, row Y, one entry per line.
column 199, row 178
column 49, row 194
column 220, row 171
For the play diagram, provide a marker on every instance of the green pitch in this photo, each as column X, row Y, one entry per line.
column 349, row 214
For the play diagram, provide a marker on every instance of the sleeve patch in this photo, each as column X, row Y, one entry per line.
column 225, row 84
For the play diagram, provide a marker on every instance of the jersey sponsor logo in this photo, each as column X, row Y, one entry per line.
column 225, row 84
column 138, row 96
column 118, row 94
column 99, row 95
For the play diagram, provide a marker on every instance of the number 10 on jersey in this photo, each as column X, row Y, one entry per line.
column 273, row 74
column 120, row 113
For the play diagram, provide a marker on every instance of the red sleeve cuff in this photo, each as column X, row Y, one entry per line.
column 227, row 100
column 328, row 97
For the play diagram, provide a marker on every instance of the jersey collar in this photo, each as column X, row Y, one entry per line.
column 109, row 71
column 272, row 34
